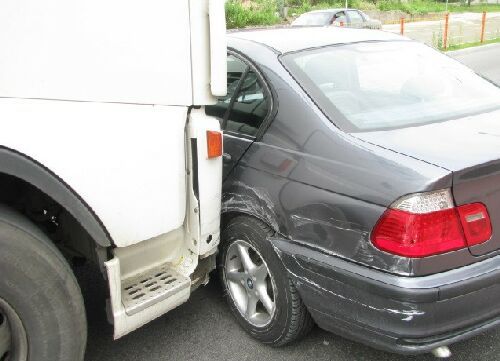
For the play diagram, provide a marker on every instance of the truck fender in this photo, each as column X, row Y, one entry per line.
column 29, row 170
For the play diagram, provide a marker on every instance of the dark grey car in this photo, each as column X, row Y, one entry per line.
column 361, row 189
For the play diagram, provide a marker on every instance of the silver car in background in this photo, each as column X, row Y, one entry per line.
column 340, row 17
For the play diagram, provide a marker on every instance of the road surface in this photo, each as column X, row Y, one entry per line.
column 203, row 329
column 484, row 59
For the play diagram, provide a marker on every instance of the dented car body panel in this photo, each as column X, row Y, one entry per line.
column 322, row 191
column 403, row 314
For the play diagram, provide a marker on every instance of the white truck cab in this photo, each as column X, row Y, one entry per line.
column 106, row 155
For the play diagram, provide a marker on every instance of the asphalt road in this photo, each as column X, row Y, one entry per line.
column 483, row 59
column 203, row 328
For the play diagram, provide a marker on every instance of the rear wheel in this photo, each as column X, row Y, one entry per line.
column 250, row 283
column 257, row 287
column 42, row 316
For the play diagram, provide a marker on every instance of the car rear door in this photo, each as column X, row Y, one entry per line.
column 354, row 18
column 243, row 111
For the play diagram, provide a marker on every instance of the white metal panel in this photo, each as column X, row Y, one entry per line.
column 208, row 41
column 126, row 161
column 218, row 48
column 200, row 47
column 209, row 181
column 124, row 323
column 112, row 51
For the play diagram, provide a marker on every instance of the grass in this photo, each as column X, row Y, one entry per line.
column 266, row 12
column 409, row 7
column 259, row 13
column 425, row 7
column 470, row 45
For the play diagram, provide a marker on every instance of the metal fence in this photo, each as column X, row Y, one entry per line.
column 450, row 29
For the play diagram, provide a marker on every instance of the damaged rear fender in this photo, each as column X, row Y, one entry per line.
column 242, row 199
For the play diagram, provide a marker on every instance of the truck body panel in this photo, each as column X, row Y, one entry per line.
column 126, row 161
column 108, row 99
column 111, row 51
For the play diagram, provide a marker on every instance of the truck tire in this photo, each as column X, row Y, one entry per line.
column 279, row 316
column 42, row 315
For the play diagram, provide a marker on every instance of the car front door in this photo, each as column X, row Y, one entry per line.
column 243, row 111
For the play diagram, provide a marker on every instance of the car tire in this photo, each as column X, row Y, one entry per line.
column 41, row 305
column 289, row 319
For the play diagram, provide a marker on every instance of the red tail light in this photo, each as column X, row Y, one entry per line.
column 476, row 223
column 427, row 224
column 418, row 235
column 214, row 144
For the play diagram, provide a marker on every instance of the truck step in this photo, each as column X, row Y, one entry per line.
column 141, row 298
column 142, row 291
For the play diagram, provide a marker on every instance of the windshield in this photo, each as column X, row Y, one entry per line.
column 383, row 85
column 313, row 19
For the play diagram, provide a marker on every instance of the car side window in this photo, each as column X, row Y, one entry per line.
column 339, row 17
column 235, row 70
column 354, row 17
column 250, row 106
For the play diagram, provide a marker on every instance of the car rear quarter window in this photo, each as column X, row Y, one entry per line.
column 247, row 103
column 250, row 107
column 235, row 70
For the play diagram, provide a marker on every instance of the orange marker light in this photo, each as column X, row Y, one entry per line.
column 214, row 144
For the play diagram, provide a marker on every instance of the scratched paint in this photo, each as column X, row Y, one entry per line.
column 405, row 314
column 254, row 201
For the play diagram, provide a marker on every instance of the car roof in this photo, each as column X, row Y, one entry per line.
column 289, row 39
column 327, row 11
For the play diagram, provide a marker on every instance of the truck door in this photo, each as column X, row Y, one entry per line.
column 242, row 111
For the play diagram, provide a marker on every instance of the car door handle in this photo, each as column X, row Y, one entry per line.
column 226, row 157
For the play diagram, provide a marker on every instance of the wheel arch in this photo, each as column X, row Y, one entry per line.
column 229, row 214
column 239, row 198
column 24, row 168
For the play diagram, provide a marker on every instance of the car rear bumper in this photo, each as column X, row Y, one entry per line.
column 406, row 315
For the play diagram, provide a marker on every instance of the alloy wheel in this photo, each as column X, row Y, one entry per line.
column 250, row 284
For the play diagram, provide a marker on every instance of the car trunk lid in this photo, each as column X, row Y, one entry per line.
column 469, row 147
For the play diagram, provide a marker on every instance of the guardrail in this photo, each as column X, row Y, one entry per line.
column 449, row 29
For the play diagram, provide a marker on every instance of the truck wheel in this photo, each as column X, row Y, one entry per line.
column 258, row 290
column 42, row 316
